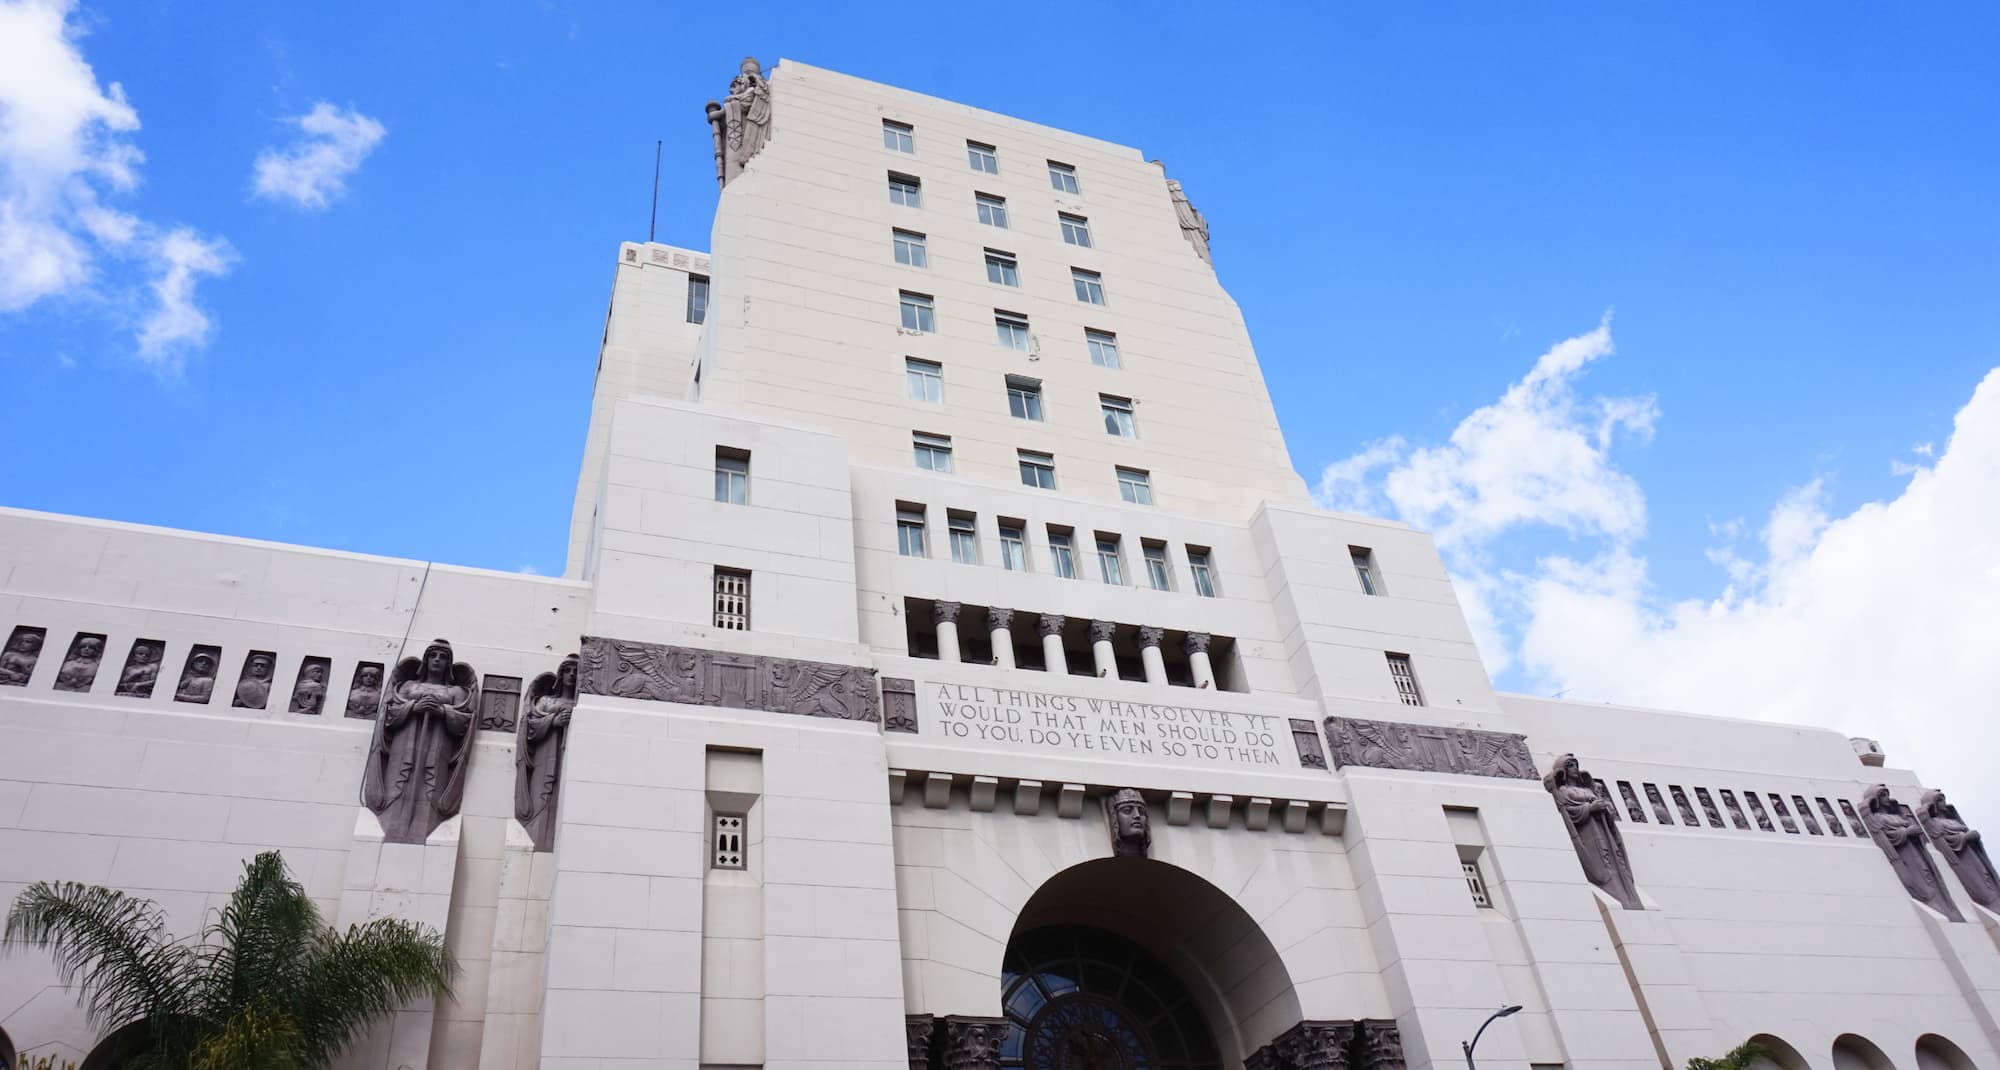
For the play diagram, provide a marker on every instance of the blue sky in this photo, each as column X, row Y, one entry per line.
column 1787, row 213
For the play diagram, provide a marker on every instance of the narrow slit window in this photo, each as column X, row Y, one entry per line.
column 1476, row 884
column 697, row 304
column 732, row 599
column 1364, row 569
column 1406, row 680
column 729, row 847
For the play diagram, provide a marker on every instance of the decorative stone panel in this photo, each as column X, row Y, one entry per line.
column 972, row 1043
column 1306, row 738
column 701, row 677
column 917, row 1032
column 1429, row 748
column 899, row 704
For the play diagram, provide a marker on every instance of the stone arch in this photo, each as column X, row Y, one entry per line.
column 1852, row 1052
column 1936, row 1053
column 1783, row 1056
column 1219, row 954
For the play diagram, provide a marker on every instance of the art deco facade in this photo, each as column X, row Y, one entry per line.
column 964, row 680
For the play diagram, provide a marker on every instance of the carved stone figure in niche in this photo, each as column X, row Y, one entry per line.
column 198, row 676
column 1131, row 825
column 741, row 123
column 1962, row 848
column 1194, row 226
column 364, row 695
column 1735, row 812
column 1757, row 811
column 142, row 669
column 1605, row 790
column 24, row 649
column 1805, row 814
column 1832, row 819
column 1708, row 807
column 1631, row 802
column 1659, row 805
column 1593, row 831
column 1681, row 803
column 253, row 691
column 79, row 668
column 423, row 743
column 1901, row 837
column 1853, row 819
column 538, row 751
column 309, row 693
column 1784, row 815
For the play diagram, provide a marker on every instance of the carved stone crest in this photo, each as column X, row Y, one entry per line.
column 1429, row 748
column 703, row 677
column 1901, row 837
column 1305, row 737
column 539, row 743
column 1593, row 831
column 1131, row 825
column 415, row 777
column 1962, row 848
column 899, row 704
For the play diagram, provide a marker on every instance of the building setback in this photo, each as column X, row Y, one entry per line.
column 962, row 679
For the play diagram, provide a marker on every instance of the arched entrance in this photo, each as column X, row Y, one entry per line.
column 1081, row 998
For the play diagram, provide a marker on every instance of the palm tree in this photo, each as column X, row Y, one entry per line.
column 1742, row 1057
column 270, row 987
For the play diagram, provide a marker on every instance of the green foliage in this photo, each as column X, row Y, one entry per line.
column 1739, row 1058
column 44, row 1062
column 270, row 987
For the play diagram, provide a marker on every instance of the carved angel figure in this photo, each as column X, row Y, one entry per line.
column 1593, row 830
column 538, row 751
column 416, row 766
column 742, row 121
column 1194, row 226
column 79, row 670
column 17, row 662
column 1962, row 847
column 1897, row 832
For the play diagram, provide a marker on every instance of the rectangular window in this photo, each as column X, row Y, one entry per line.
column 1089, row 286
column 732, row 599
column 964, row 532
column 1203, row 570
column 899, row 136
column 1118, row 416
column 697, row 310
column 1037, row 469
column 982, row 157
column 1012, row 329
column 992, row 210
column 729, row 852
column 1002, row 268
column 1013, row 546
column 910, row 531
column 1364, row 569
column 1476, row 884
column 923, row 379
column 1156, row 566
column 910, row 249
column 933, row 451
column 1062, row 177
column 1024, row 397
column 918, row 315
column 732, row 475
column 1062, row 553
column 1103, row 348
column 1075, row 229
column 1110, row 561
column 1406, row 680
column 907, row 190
column 1135, row 486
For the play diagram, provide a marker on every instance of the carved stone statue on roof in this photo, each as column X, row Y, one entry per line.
column 741, row 121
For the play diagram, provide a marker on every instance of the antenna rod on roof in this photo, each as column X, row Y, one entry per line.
column 654, row 223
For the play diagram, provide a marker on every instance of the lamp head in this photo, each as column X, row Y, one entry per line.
column 1507, row 1010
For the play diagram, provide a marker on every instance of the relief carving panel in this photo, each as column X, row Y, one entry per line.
column 198, row 675
column 79, row 666
column 24, row 649
column 1305, row 736
column 309, row 692
column 142, row 669
column 701, row 677
column 899, row 704
column 1429, row 748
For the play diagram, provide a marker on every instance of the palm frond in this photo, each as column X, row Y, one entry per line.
column 258, row 1037
column 254, row 946
column 362, row 975
column 110, row 947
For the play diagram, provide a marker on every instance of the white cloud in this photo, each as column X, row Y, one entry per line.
column 1880, row 622
column 312, row 171
column 175, row 324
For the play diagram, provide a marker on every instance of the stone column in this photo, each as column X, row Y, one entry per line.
column 1050, row 628
column 945, row 614
column 1195, row 646
column 1149, row 655
column 1100, row 648
column 1000, row 629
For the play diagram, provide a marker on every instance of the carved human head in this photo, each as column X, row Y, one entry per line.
column 1131, row 826
column 437, row 660
column 566, row 676
column 202, row 665
column 89, row 649
column 1877, row 799
column 260, row 666
column 370, row 676
column 27, row 642
column 144, row 652
column 316, row 673
column 750, row 66
column 1932, row 802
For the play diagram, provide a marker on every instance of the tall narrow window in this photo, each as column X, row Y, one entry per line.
column 1406, row 680
column 1156, row 566
column 1118, row 416
column 1075, row 229
column 1062, row 553
column 732, row 475
column 933, row 451
column 1013, row 546
column 964, row 532
column 1002, row 268
column 1024, row 397
column 1063, row 178
column 899, row 136
column 923, row 379
column 910, row 248
column 1203, row 569
column 1103, row 348
column 1135, row 486
column 983, row 157
column 910, row 531
column 992, row 210
column 1037, row 469
column 918, row 314
column 732, row 599
column 906, row 190
column 1089, row 286
column 1012, row 328
column 1364, row 569
column 1110, row 561
column 697, row 310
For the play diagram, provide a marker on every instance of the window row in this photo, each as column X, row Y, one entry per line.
column 990, row 208
column 917, row 314
column 1688, row 818
column 933, row 453
column 923, row 380
column 984, row 158
column 962, row 544
column 1003, row 268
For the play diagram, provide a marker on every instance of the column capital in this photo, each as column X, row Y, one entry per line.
column 1101, row 630
column 972, row 1043
column 999, row 620
column 945, row 613
column 1048, row 624
column 1151, row 636
column 1195, row 643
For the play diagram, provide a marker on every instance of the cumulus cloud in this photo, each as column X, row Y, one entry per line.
column 175, row 323
column 1878, row 622
column 312, row 171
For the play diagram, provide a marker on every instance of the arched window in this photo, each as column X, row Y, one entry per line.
column 1783, row 1056
column 1082, row 999
column 1851, row 1052
column 1936, row 1053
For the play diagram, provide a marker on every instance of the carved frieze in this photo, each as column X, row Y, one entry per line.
column 1784, row 815
column 1659, row 804
column 899, row 704
column 1757, row 811
column 1429, row 748
column 1735, row 812
column 972, row 1043
column 1805, row 814
column 1832, row 819
column 703, row 677
column 1708, row 807
column 1681, row 804
column 1305, row 736
column 142, row 668
column 1900, row 835
column 24, row 649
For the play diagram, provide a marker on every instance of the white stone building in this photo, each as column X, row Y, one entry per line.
column 934, row 506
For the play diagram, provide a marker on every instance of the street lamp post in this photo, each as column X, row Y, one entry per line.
column 1468, row 1046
